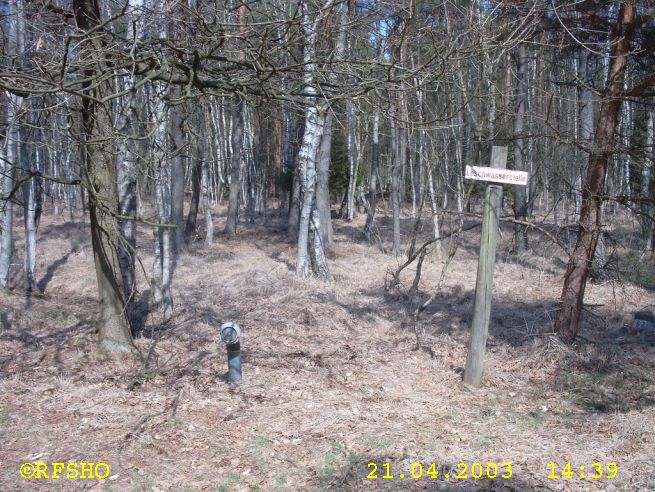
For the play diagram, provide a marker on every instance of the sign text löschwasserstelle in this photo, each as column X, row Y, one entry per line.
column 496, row 175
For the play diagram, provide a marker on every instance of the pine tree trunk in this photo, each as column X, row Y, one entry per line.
column 575, row 280
column 520, row 198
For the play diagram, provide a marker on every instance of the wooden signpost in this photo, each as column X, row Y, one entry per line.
column 482, row 306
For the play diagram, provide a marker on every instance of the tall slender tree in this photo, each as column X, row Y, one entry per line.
column 577, row 272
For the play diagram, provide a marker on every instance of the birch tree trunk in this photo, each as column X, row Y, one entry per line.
column 308, row 224
column 204, row 186
column 32, row 202
column 396, row 164
column 351, row 128
column 7, row 164
column 163, row 262
column 575, row 280
column 647, row 221
column 10, row 147
column 375, row 164
column 126, row 177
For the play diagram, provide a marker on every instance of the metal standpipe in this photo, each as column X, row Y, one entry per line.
column 231, row 336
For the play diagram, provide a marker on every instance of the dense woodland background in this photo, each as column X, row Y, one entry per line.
column 123, row 108
column 298, row 166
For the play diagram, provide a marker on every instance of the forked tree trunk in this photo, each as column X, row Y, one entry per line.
column 310, row 261
column 575, row 280
column 307, row 164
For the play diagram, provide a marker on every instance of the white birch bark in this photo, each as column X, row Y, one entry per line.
column 375, row 162
column 648, row 223
column 161, row 286
column 204, row 187
column 352, row 164
column 32, row 209
column 435, row 216
column 314, row 123
column 7, row 160
column 10, row 147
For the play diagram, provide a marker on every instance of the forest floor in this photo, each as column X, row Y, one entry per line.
column 332, row 378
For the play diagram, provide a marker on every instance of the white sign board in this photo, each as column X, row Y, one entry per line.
column 496, row 175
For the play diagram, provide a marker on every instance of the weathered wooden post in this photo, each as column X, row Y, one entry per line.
column 484, row 284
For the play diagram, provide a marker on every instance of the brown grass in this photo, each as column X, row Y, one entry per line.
column 332, row 379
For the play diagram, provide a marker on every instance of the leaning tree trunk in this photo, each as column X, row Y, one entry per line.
column 575, row 280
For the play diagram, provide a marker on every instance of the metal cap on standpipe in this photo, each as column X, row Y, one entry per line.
column 231, row 336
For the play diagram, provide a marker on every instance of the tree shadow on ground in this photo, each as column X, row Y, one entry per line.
column 610, row 367
column 50, row 271
column 32, row 345
column 620, row 266
column 78, row 232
